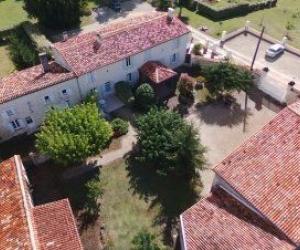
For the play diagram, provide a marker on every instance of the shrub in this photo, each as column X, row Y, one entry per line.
column 144, row 241
column 144, row 96
column 94, row 191
column 196, row 49
column 124, row 92
column 70, row 135
column 92, row 97
column 119, row 126
column 186, row 86
column 21, row 49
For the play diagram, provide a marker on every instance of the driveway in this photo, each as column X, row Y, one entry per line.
column 286, row 65
column 221, row 128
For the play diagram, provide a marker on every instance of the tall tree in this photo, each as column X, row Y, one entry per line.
column 225, row 77
column 56, row 14
column 69, row 136
column 168, row 144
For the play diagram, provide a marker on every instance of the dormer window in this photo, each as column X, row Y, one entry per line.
column 128, row 61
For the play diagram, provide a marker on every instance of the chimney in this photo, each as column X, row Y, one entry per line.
column 44, row 61
column 65, row 36
column 170, row 14
column 97, row 42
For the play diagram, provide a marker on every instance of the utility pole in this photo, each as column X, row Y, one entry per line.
column 251, row 69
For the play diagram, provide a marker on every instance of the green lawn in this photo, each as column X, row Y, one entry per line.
column 275, row 20
column 134, row 199
column 124, row 213
column 6, row 65
column 11, row 13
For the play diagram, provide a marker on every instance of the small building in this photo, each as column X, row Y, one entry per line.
column 28, row 227
column 255, row 197
column 162, row 78
column 94, row 60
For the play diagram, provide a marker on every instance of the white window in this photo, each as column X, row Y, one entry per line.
column 174, row 58
column 128, row 61
column 29, row 120
column 47, row 99
column 129, row 77
column 16, row 124
column 10, row 112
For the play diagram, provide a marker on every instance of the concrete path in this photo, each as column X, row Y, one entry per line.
column 127, row 142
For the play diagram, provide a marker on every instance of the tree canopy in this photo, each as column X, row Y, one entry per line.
column 70, row 135
column 56, row 14
column 227, row 77
column 168, row 144
column 144, row 241
column 145, row 96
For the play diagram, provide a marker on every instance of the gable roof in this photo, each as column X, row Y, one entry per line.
column 32, row 79
column 220, row 222
column 14, row 229
column 157, row 72
column 119, row 40
column 265, row 170
column 55, row 226
column 23, row 226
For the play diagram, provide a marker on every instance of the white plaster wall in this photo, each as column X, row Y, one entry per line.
column 33, row 105
column 118, row 71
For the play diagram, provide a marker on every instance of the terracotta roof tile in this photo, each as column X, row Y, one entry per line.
column 220, row 222
column 119, row 40
column 56, row 227
column 31, row 80
column 157, row 72
column 265, row 170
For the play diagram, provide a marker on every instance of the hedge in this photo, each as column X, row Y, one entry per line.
column 231, row 11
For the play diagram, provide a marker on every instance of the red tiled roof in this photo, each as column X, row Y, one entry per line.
column 31, row 80
column 119, row 40
column 157, row 72
column 22, row 226
column 220, row 222
column 14, row 231
column 56, row 227
column 265, row 170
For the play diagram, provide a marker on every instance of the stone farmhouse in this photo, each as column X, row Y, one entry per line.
column 255, row 199
column 95, row 60
column 28, row 227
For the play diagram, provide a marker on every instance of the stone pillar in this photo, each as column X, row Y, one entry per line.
column 206, row 46
column 223, row 37
column 247, row 24
column 284, row 40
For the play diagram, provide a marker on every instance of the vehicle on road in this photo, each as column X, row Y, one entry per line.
column 275, row 50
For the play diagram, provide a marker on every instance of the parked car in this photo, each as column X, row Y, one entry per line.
column 275, row 50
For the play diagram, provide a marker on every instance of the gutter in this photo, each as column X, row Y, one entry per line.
column 182, row 234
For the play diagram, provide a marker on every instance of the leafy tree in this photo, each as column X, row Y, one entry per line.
column 21, row 49
column 144, row 241
column 183, row 3
column 226, row 77
column 56, row 14
column 94, row 191
column 145, row 96
column 124, row 91
column 168, row 144
column 119, row 126
column 69, row 136
column 92, row 97
column 186, row 86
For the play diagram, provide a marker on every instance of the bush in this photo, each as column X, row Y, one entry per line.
column 92, row 97
column 124, row 92
column 144, row 241
column 233, row 10
column 21, row 49
column 144, row 96
column 186, row 86
column 94, row 191
column 119, row 126
column 196, row 49
column 70, row 135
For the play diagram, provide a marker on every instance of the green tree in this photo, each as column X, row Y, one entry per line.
column 69, row 136
column 226, row 77
column 21, row 49
column 168, row 144
column 183, row 3
column 186, row 86
column 145, row 96
column 56, row 14
column 144, row 241
column 119, row 126
column 94, row 191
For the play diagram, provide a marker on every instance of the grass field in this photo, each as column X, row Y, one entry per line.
column 6, row 65
column 276, row 20
column 11, row 13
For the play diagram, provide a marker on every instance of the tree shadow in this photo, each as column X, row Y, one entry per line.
column 171, row 194
column 222, row 114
